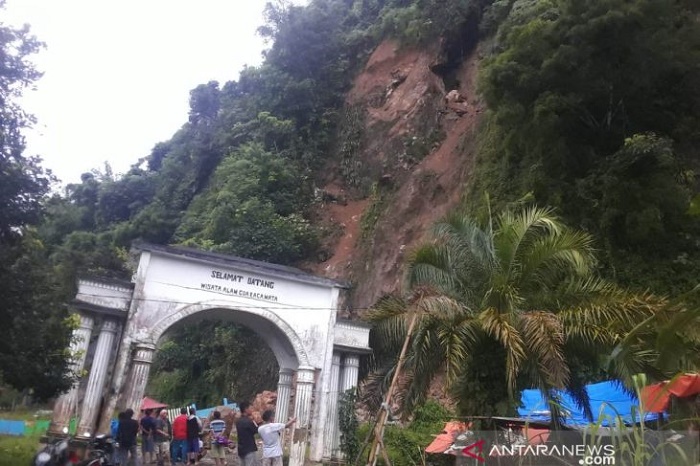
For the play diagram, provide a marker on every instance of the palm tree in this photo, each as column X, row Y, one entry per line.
column 524, row 287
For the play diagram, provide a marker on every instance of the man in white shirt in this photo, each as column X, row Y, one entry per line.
column 271, row 434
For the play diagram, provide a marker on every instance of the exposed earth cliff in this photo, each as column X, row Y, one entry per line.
column 411, row 151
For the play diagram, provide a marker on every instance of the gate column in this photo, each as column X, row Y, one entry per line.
column 140, row 369
column 302, row 410
column 331, row 439
column 67, row 402
column 98, row 373
column 351, row 371
column 284, row 392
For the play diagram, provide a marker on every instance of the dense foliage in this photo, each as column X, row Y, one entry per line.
column 405, row 444
column 348, row 424
column 203, row 363
column 239, row 176
column 33, row 353
column 522, row 285
column 595, row 109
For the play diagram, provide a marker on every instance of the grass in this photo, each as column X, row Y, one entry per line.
column 18, row 450
column 23, row 415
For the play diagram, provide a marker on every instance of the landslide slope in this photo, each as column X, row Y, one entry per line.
column 404, row 153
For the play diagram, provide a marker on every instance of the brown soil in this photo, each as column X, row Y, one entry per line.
column 401, row 94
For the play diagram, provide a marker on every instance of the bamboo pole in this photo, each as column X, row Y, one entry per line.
column 378, row 442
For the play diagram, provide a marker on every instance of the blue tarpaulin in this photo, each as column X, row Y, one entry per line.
column 608, row 402
column 204, row 413
column 11, row 427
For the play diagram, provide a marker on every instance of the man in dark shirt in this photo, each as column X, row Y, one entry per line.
column 148, row 428
column 246, row 429
column 126, row 436
column 194, row 427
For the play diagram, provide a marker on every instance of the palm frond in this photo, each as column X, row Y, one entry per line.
column 555, row 257
column 515, row 229
column 498, row 327
column 545, row 336
column 430, row 266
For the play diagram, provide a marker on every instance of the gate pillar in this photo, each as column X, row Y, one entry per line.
column 284, row 392
column 140, row 369
column 331, row 441
column 98, row 373
column 302, row 409
column 67, row 403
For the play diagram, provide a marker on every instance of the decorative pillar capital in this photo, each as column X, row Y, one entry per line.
column 336, row 358
column 110, row 326
column 143, row 353
column 285, row 377
column 306, row 375
column 86, row 322
column 351, row 360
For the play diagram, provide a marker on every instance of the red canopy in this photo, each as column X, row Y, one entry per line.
column 656, row 397
column 150, row 403
column 446, row 438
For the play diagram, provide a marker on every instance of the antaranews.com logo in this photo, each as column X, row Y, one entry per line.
column 588, row 455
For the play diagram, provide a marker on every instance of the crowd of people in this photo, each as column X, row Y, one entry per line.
column 183, row 440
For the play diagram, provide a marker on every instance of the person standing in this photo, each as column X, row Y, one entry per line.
column 219, row 440
column 148, row 428
column 162, row 437
column 127, row 432
column 194, row 427
column 271, row 435
column 246, row 428
column 179, row 443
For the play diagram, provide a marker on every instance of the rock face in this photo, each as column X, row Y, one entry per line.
column 415, row 148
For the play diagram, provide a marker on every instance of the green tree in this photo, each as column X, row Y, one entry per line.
column 209, row 360
column 252, row 204
column 23, row 182
column 522, row 285
column 32, row 352
column 593, row 107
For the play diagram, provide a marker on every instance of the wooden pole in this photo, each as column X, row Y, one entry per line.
column 378, row 443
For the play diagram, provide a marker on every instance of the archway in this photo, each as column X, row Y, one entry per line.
column 274, row 332
column 294, row 311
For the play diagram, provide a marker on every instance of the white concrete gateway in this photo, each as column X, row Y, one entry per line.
column 292, row 311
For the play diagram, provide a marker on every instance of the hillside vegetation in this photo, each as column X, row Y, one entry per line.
column 588, row 106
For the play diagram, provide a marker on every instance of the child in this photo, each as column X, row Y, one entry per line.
column 271, row 433
column 218, row 426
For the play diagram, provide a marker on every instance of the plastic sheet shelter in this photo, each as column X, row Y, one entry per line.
column 444, row 440
column 150, row 403
column 609, row 401
column 657, row 397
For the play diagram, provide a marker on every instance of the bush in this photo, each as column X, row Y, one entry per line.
column 406, row 444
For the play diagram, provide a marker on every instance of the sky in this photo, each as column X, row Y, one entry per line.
column 117, row 74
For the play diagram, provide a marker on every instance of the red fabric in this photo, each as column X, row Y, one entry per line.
column 150, row 403
column 445, row 439
column 685, row 385
column 180, row 427
column 657, row 397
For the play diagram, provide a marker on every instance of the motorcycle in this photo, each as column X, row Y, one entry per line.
column 57, row 453
column 101, row 452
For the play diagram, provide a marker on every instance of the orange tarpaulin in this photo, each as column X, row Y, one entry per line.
column 446, row 438
column 150, row 403
column 656, row 397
